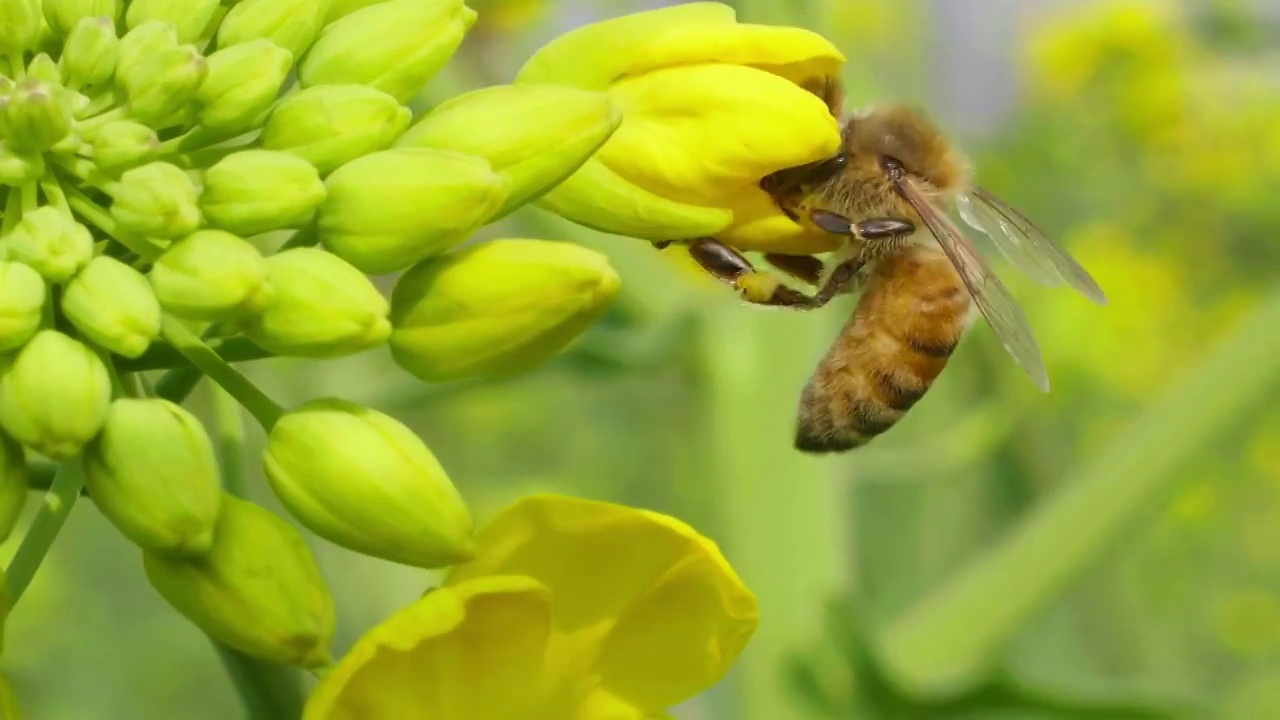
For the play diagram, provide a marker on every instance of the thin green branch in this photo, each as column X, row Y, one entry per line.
column 58, row 502
column 165, row 357
column 263, row 408
column 102, row 219
column 178, row 383
column 230, row 436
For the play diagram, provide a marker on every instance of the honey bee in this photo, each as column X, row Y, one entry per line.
column 922, row 281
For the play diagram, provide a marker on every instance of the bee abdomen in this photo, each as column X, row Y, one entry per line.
column 832, row 420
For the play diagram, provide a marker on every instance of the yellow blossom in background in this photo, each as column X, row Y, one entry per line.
column 710, row 106
column 573, row 609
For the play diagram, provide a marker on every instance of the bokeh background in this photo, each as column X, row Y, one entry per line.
column 1144, row 135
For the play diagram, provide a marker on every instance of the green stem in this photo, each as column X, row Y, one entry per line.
column 230, row 430
column 89, row 126
column 205, row 157
column 269, row 692
column 53, row 191
column 17, row 66
column 101, row 218
column 178, row 383
column 163, row 357
column 12, row 211
column 306, row 237
column 950, row 640
column 58, row 502
column 263, row 408
column 99, row 104
column 30, row 200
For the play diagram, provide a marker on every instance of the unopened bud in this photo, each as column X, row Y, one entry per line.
column 243, row 81
column 64, row 15
column 122, row 145
column 500, row 308
column 164, row 83
column 153, row 474
column 394, row 46
column 54, row 395
column 259, row 589
column 36, row 116
column 560, row 128
column 330, row 125
column 89, row 55
column 343, row 8
column 113, row 305
column 19, row 26
column 18, row 169
column 211, row 276
column 51, row 242
column 22, row 296
column 256, row 191
column 291, row 24
column 323, row 307
column 141, row 43
column 156, row 200
column 43, row 68
column 190, row 18
column 13, row 486
column 386, row 211
column 363, row 480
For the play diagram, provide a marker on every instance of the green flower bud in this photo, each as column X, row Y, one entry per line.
column 64, row 15
column 36, row 116
column 499, row 308
column 43, row 68
column 113, row 305
column 122, row 145
column 259, row 590
column 152, row 473
column 559, row 130
column 190, row 18
column 243, row 82
column 19, row 26
column 164, row 83
column 89, row 55
column 331, row 125
column 22, row 294
column 343, row 8
column 156, row 200
column 13, row 487
column 211, row 276
column 51, row 242
column 18, row 169
column 323, row 307
column 256, row 191
column 388, row 210
column 141, row 43
column 363, row 480
column 395, row 46
column 291, row 24
column 54, row 396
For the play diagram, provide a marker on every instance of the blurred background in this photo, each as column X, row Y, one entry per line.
column 1145, row 136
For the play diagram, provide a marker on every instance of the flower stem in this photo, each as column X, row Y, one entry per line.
column 62, row 496
column 306, row 237
column 263, row 408
column 89, row 126
column 101, row 219
column 12, row 211
column 950, row 640
column 53, row 191
column 230, row 429
column 163, row 357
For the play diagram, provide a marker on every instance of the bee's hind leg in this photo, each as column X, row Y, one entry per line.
column 763, row 288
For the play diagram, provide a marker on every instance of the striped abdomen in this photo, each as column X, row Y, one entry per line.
column 912, row 314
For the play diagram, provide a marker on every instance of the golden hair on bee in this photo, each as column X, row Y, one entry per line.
column 903, row 133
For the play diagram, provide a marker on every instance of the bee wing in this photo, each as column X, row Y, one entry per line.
column 1024, row 245
column 995, row 303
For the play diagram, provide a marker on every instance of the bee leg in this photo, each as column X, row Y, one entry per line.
column 731, row 267
column 870, row 229
column 805, row 268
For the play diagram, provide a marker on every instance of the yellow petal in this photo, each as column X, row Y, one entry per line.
column 593, row 55
column 759, row 226
column 473, row 650
column 596, row 197
column 654, row 602
column 799, row 55
column 708, row 133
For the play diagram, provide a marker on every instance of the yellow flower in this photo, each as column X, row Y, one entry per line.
column 572, row 610
column 710, row 106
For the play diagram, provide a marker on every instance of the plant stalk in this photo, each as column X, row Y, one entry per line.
column 49, row 521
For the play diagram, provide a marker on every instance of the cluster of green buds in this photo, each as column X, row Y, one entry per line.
column 189, row 183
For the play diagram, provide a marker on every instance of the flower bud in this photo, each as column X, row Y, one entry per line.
column 156, row 200
column 243, row 82
column 330, row 125
column 363, row 480
column 19, row 26
column 51, row 242
column 54, row 395
column 36, row 116
column 256, row 191
column 259, row 589
column 291, row 24
column 211, row 276
column 13, row 486
column 190, row 18
column 343, row 8
column 395, row 46
column 560, row 128
column 164, row 83
column 386, row 211
column 141, row 43
column 122, row 145
column 113, row 305
column 43, row 68
column 499, row 308
column 64, row 15
column 18, row 169
column 323, row 307
column 153, row 474
column 22, row 295
column 89, row 55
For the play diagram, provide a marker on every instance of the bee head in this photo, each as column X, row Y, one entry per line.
column 899, row 137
